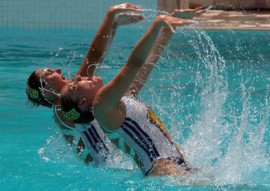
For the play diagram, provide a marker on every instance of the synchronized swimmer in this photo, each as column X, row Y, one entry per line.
column 96, row 110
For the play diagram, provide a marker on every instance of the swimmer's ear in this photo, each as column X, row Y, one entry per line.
column 82, row 104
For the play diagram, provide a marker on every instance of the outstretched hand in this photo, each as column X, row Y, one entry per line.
column 128, row 18
column 124, row 14
column 188, row 13
column 172, row 22
column 124, row 7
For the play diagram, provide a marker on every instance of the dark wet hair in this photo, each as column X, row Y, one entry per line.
column 73, row 113
column 33, row 92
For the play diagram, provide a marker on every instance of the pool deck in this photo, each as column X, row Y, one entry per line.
column 236, row 20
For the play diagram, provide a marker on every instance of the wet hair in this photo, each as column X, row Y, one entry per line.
column 73, row 113
column 33, row 92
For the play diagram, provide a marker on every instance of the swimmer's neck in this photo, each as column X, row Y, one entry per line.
column 55, row 97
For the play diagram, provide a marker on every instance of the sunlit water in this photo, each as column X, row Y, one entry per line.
column 211, row 88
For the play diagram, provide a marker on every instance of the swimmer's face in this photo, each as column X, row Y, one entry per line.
column 53, row 78
column 54, row 81
column 83, row 89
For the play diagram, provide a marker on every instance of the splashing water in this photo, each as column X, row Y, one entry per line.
column 228, row 129
column 55, row 150
column 214, row 106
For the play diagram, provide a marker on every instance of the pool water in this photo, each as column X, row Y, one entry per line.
column 211, row 88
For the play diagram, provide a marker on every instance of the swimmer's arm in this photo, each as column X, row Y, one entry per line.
column 153, row 58
column 106, row 101
column 161, row 43
column 109, row 95
column 105, row 34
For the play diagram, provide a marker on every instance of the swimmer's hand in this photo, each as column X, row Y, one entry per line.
column 188, row 13
column 122, row 8
column 172, row 22
column 128, row 18
column 125, row 14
